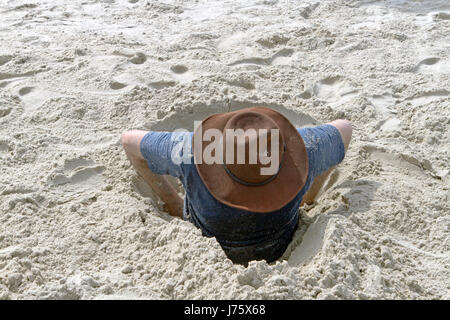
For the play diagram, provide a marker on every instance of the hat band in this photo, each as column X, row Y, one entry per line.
column 253, row 184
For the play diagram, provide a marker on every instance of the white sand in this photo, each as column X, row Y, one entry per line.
column 76, row 222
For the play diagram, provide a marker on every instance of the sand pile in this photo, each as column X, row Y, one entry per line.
column 76, row 221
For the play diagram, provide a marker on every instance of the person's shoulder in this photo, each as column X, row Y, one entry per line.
column 181, row 147
column 168, row 137
column 312, row 133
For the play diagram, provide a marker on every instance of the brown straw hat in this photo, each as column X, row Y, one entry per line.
column 243, row 186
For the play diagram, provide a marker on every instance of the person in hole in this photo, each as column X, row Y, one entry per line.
column 245, row 174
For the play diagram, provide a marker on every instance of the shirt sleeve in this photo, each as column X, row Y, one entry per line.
column 165, row 152
column 324, row 146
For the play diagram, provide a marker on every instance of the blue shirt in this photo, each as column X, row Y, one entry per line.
column 243, row 235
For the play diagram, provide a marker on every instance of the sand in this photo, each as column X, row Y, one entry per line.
column 77, row 223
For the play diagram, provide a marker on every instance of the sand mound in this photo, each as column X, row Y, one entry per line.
column 75, row 220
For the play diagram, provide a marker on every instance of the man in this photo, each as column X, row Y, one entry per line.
column 249, row 205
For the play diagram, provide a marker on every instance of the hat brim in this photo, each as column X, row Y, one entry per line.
column 266, row 198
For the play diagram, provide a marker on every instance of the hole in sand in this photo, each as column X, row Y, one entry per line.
column 184, row 119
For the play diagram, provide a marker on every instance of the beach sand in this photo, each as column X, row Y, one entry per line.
column 77, row 223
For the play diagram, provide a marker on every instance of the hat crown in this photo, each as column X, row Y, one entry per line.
column 250, row 138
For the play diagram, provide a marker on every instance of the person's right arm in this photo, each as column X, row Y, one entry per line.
column 154, row 162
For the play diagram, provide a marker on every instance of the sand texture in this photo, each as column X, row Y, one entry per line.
column 77, row 223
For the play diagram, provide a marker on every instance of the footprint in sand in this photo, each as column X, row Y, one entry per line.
column 334, row 89
column 4, row 111
column 273, row 40
column 398, row 160
column 181, row 73
column 33, row 97
column 389, row 125
column 179, row 69
column 441, row 15
column 4, row 84
column 76, row 172
column 427, row 97
column 161, row 84
column 123, row 80
column 280, row 58
column 6, row 75
column 432, row 65
column 115, row 85
column 283, row 56
column 252, row 60
column 25, row 90
column 138, row 58
column 9, row 103
column 4, row 146
column 133, row 57
column 5, row 59
column 384, row 106
column 305, row 95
